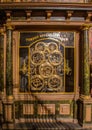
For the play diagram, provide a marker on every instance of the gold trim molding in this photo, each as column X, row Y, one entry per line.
column 10, row 97
column 86, row 97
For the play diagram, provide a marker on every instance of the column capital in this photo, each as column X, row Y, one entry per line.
column 9, row 26
column 86, row 26
column 1, row 31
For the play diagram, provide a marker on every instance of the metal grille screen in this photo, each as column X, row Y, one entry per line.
column 46, row 61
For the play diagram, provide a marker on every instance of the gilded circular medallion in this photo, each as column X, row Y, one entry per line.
column 55, row 58
column 55, row 82
column 53, row 46
column 37, row 82
column 46, row 70
column 40, row 46
column 37, row 58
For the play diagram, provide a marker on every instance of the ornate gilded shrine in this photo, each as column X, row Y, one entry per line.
column 45, row 63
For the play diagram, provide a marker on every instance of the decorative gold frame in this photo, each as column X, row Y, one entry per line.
column 65, row 66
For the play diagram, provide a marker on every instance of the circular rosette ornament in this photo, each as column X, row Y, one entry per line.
column 37, row 82
column 46, row 70
column 55, row 82
column 53, row 46
column 37, row 58
column 55, row 58
column 40, row 46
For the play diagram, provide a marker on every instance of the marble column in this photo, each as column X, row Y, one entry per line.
column 1, row 72
column 9, row 67
column 8, row 103
column 1, row 60
column 85, row 63
column 84, row 110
